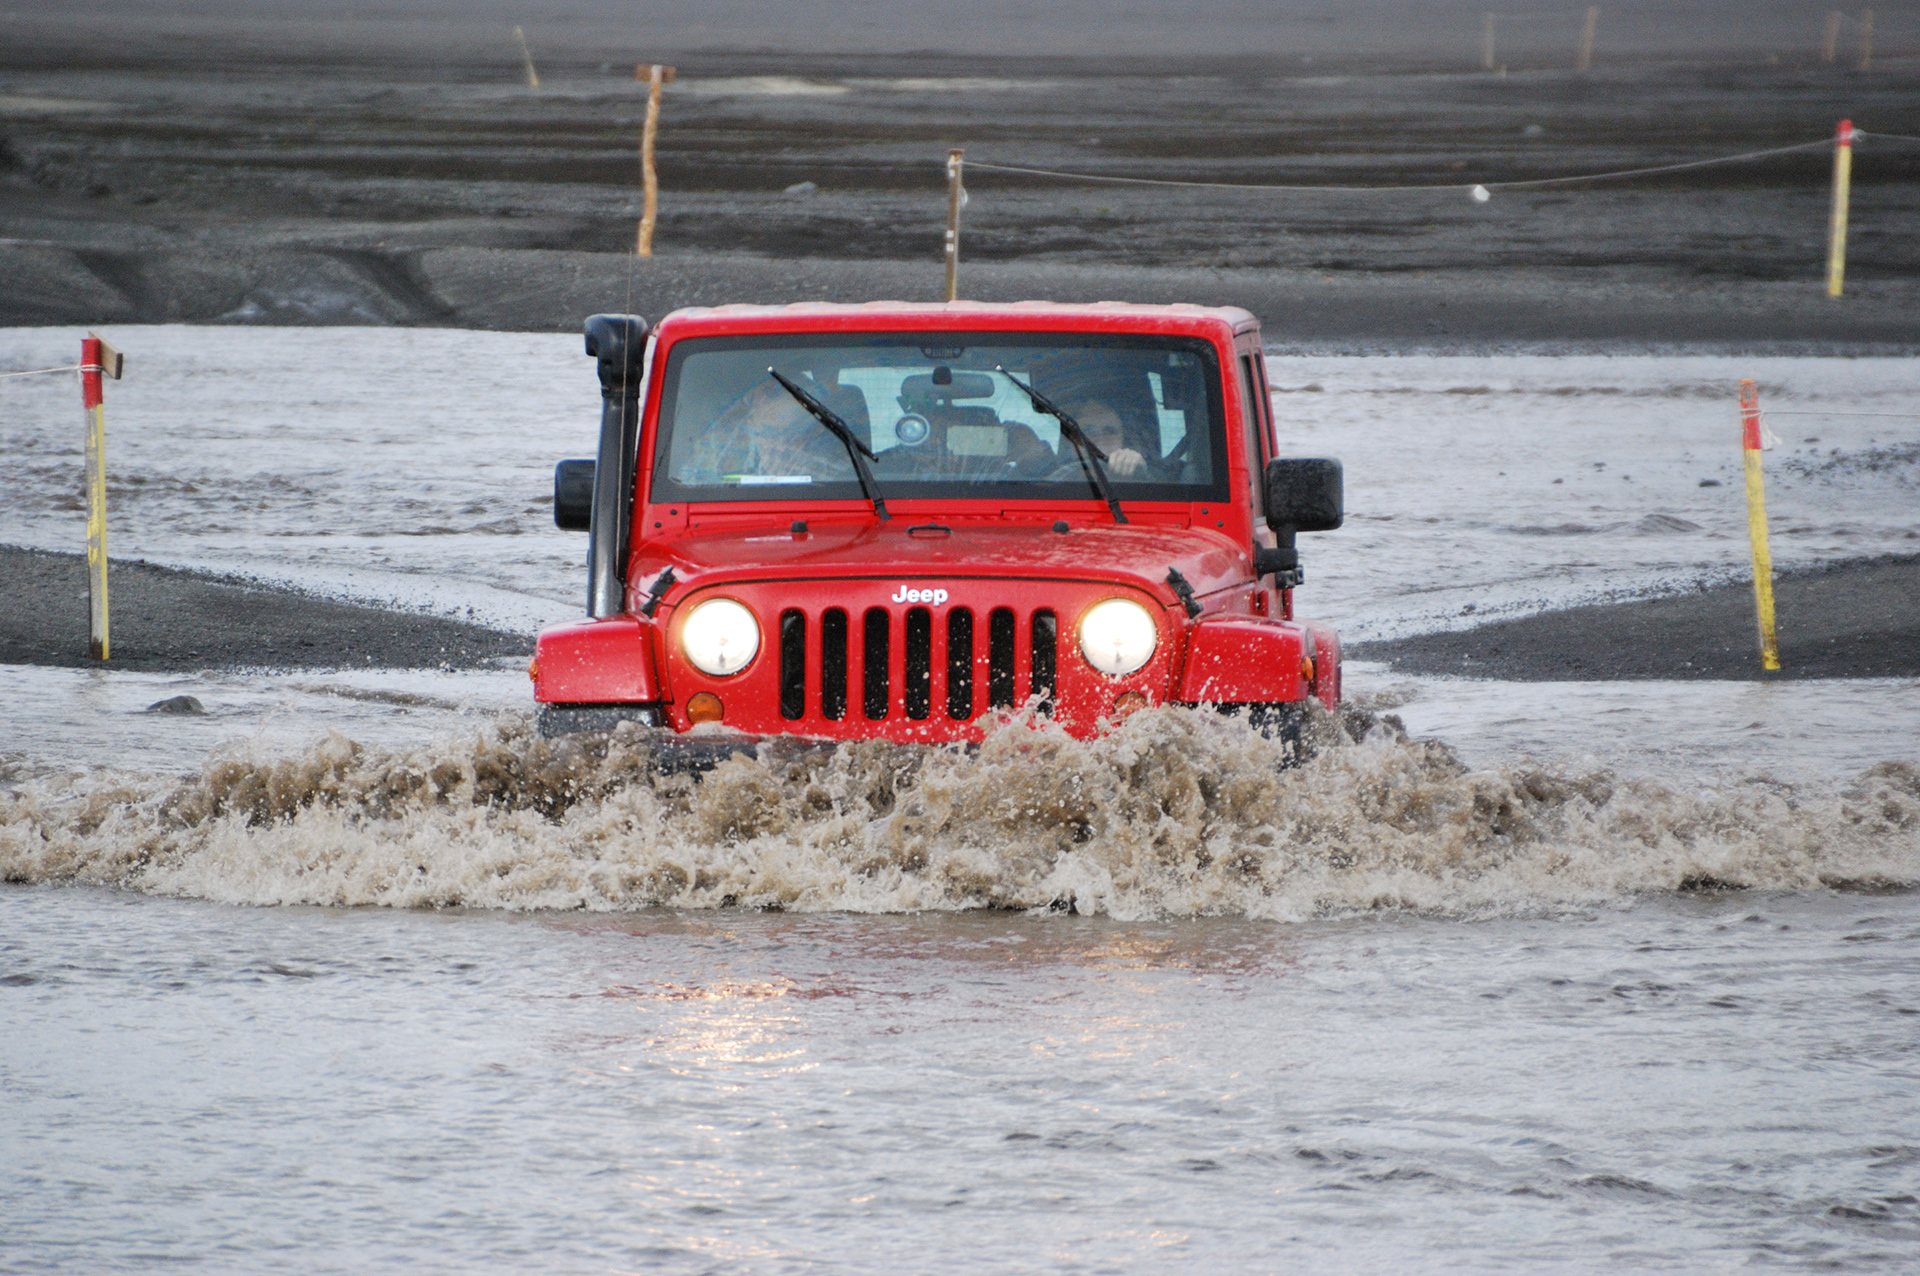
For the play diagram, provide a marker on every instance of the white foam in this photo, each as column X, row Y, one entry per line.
column 1177, row 813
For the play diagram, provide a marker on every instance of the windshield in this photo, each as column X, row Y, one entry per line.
column 942, row 415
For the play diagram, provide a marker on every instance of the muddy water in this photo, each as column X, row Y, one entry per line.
column 1383, row 1011
column 1697, row 1082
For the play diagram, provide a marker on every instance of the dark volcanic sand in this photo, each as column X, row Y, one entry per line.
column 1851, row 620
column 249, row 164
column 166, row 620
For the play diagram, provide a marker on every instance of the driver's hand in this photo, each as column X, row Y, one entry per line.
column 1125, row 462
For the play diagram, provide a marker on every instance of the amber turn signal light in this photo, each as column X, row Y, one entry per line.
column 704, row 706
column 1129, row 702
column 533, row 669
column 1306, row 668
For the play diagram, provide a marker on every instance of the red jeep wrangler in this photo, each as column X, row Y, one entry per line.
column 893, row 520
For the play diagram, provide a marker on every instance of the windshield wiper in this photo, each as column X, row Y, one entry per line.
column 859, row 453
column 1090, row 456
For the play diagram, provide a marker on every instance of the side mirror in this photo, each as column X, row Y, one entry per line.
column 1305, row 494
column 573, row 495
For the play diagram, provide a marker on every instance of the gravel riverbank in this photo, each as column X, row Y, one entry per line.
column 165, row 620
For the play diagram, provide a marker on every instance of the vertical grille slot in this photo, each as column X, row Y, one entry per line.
column 1000, row 629
column 918, row 693
column 1046, row 647
column 833, row 664
column 960, row 664
column 793, row 664
column 874, row 656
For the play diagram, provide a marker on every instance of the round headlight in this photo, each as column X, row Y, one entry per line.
column 1117, row 636
column 720, row 637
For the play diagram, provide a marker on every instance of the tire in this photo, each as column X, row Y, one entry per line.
column 1283, row 720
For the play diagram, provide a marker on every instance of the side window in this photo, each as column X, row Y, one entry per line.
column 1250, row 393
column 1269, row 428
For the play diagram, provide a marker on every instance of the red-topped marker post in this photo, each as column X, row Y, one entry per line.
column 97, row 360
column 1752, row 441
column 1837, row 227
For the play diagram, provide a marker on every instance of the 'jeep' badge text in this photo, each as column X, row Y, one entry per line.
column 934, row 596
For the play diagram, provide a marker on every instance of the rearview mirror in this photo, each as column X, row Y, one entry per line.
column 1305, row 494
column 573, row 495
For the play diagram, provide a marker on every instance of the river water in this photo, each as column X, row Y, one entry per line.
column 354, row 973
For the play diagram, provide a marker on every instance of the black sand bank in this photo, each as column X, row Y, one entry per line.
column 167, row 620
column 276, row 173
column 1858, row 619
column 1851, row 620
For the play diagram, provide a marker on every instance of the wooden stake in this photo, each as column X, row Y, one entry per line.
column 97, row 359
column 526, row 54
column 1866, row 39
column 1486, row 42
column 655, row 76
column 1837, row 225
column 1830, row 41
column 1751, row 440
column 956, row 197
column 1584, row 63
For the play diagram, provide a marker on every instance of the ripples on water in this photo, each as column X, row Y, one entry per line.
column 1701, row 1081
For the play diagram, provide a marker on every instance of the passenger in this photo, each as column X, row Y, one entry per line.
column 1104, row 429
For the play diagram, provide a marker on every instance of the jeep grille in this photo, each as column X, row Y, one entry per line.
column 824, row 645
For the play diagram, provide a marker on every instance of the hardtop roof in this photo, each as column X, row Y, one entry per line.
column 827, row 316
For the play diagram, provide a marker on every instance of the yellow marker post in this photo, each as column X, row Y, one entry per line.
column 1584, row 63
column 956, row 200
column 1751, row 442
column 526, row 57
column 97, row 359
column 655, row 76
column 1837, row 227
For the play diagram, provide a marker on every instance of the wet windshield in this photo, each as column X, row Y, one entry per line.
column 942, row 415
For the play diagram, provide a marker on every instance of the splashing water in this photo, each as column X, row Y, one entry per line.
column 1176, row 813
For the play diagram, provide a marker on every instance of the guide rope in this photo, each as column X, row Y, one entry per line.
column 1822, row 144
column 41, row 372
column 1904, row 416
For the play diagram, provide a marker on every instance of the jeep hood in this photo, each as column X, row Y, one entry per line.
column 910, row 548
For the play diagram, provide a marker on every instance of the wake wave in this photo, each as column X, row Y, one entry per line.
column 1177, row 813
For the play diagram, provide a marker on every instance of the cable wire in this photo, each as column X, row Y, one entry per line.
column 1435, row 186
column 41, row 372
column 1904, row 416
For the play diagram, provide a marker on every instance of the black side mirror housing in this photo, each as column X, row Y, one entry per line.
column 573, row 495
column 1305, row 494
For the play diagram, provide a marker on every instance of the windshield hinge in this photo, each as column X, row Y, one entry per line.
column 656, row 591
column 1184, row 592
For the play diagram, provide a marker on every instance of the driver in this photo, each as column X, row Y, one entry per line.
column 765, row 433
